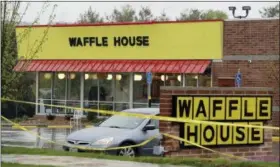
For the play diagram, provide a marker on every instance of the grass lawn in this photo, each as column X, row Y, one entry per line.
column 3, row 164
column 197, row 162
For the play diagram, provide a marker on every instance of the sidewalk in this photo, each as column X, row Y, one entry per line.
column 69, row 161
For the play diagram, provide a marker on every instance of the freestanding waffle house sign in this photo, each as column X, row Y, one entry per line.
column 245, row 110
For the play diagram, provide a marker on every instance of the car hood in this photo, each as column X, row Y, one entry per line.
column 96, row 133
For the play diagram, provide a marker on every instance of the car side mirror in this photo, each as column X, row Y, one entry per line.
column 149, row 127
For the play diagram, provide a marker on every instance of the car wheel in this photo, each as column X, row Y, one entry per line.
column 127, row 152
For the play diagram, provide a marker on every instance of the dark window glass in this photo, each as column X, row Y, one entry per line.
column 59, row 94
column 139, row 88
column 45, row 92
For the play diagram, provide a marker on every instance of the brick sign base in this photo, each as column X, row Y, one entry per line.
column 252, row 152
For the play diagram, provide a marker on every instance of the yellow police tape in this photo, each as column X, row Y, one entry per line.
column 58, row 126
column 123, row 147
column 197, row 145
column 276, row 139
column 162, row 118
column 17, row 127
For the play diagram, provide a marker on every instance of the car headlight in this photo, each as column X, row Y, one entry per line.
column 105, row 141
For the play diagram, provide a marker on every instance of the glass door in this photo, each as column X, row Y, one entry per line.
column 105, row 92
column 91, row 93
column 73, row 90
column 121, row 91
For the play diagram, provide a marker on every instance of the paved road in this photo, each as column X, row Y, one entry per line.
column 69, row 161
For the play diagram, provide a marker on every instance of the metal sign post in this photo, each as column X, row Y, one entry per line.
column 149, row 82
column 238, row 79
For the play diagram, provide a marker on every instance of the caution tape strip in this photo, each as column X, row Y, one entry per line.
column 61, row 126
column 162, row 118
column 205, row 148
column 123, row 147
column 17, row 127
column 276, row 139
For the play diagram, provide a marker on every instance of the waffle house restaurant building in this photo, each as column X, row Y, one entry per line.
column 104, row 66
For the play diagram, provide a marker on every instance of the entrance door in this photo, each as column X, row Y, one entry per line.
column 121, row 91
column 73, row 91
column 105, row 92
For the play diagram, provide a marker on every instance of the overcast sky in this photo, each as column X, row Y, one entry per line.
column 69, row 11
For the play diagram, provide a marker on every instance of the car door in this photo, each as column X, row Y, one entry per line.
column 148, row 148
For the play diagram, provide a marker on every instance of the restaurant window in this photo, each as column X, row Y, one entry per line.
column 173, row 80
column 191, row 80
column 59, row 92
column 45, row 92
column 204, row 81
column 139, row 90
column 73, row 90
column 121, row 91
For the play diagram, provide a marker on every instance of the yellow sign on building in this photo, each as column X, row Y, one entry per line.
column 176, row 40
column 245, row 110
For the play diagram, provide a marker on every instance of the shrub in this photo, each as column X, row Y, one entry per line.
column 50, row 116
column 25, row 117
column 91, row 116
column 68, row 116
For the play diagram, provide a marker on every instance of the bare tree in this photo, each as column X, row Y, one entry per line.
column 12, row 85
column 90, row 16
column 195, row 14
column 163, row 17
column 145, row 14
column 125, row 14
column 272, row 11
column 190, row 14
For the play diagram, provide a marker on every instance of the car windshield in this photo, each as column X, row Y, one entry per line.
column 123, row 122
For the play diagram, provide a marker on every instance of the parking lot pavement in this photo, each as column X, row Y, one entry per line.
column 73, row 161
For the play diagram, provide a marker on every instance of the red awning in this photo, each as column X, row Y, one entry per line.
column 158, row 66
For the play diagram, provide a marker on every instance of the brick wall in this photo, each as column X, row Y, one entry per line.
column 260, row 152
column 251, row 37
column 258, row 73
column 276, row 122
